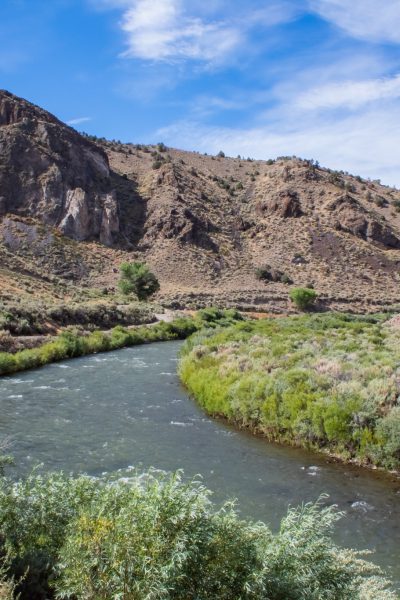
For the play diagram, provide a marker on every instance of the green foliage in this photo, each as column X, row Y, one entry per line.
column 136, row 278
column 157, row 537
column 321, row 381
column 71, row 343
column 5, row 459
column 303, row 298
column 30, row 319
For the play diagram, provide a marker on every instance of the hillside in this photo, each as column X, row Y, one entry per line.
column 73, row 207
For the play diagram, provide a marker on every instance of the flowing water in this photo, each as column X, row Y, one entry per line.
column 111, row 412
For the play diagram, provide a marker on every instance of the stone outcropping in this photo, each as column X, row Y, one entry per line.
column 285, row 204
column 352, row 217
column 51, row 172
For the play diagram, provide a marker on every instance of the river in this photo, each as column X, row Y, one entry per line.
column 111, row 412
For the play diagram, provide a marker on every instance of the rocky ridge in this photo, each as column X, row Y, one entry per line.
column 74, row 207
column 48, row 170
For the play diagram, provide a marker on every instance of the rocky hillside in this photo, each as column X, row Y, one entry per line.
column 73, row 207
column 49, row 171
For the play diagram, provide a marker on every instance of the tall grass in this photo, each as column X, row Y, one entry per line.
column 323, row 381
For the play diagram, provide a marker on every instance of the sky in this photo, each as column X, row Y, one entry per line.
column 261, row 78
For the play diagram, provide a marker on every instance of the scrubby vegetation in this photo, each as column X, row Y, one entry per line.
column 156, row 537
column 323, row 381
column 38, row 317
column 71, row 343
column 268, row 273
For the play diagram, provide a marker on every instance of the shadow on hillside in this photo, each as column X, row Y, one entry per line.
column 132, row 210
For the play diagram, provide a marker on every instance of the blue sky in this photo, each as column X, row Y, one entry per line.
column 315, row 78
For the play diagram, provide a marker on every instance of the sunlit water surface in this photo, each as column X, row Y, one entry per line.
column 124, row 409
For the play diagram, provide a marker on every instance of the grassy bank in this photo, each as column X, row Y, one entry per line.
column 159, row 538
column 327, row 382
column 71, row 344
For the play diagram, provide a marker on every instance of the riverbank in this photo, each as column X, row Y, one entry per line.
column 325, row 382
column 72, row 343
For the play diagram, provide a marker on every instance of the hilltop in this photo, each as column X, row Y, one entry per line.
column 73, row 207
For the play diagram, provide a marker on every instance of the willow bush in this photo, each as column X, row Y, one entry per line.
column 157, row 537
column 321, row 381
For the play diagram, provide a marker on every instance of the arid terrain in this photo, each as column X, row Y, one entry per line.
column 73, row 207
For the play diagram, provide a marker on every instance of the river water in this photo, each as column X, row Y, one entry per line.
column 111, row 412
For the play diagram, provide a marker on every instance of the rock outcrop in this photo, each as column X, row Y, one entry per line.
column 349, row 215
column 285, row 204
column 49, row 171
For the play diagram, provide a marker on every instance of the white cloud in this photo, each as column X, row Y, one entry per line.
column 208, row 32
column 79, row 120
column 349, row 94
column 161, row 30
column 373, row 20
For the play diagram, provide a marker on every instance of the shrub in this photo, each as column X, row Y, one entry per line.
column 268, row 273
column 136, row 278
column 303, row 298
column 157, row 537
column 7, row 363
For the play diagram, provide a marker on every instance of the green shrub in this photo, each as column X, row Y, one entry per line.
column 158, row 537
column 7, row 363
column 303, row 298
column 136, row 278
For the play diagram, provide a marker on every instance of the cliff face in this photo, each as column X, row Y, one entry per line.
column 49, row 171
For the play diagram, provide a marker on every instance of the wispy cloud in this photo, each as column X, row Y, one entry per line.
column 161, row 30
column 79, row 120
column 350, row 94
column 176, row 30
column 365, row 144
column 352, row 125
column 373, row 20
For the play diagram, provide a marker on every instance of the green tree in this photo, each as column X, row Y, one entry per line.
column 303, row 298
column 136, row 278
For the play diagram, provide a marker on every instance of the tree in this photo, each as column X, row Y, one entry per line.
column 136, row 278
column 303, row 298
